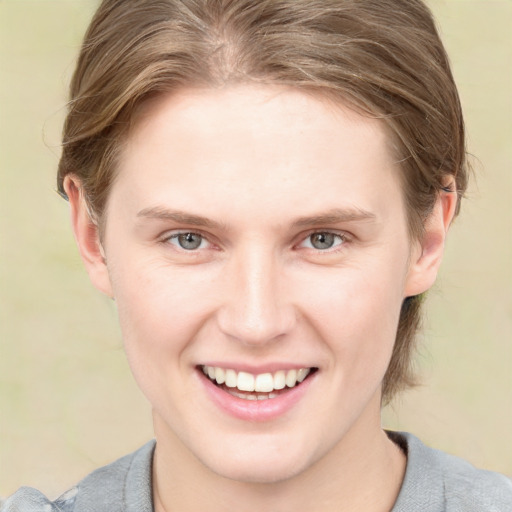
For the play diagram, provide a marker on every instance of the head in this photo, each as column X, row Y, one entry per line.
column 381, row 60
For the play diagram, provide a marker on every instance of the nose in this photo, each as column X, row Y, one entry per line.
column 255, row 308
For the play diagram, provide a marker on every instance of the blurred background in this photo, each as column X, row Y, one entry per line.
column 68, row 403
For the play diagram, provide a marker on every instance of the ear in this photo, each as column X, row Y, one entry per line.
column 426, row 256
column 87, row 236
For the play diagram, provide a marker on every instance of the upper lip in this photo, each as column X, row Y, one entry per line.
column 256, row 369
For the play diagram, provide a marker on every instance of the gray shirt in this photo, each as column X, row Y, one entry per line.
column 434, row 482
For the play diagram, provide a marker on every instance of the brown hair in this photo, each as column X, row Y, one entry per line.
column 383, row 58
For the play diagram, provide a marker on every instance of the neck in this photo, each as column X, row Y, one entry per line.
column 363, row 472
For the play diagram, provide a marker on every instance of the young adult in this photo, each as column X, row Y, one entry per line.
column 265, row 188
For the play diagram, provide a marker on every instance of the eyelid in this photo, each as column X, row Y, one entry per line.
column 174, row 233
column 346, row 237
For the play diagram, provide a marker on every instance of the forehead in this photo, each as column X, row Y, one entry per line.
column 258, row 144
column 253, row 110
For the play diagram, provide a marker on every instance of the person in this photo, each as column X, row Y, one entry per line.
column 264, row 189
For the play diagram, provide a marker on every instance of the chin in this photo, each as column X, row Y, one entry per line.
column 259, row 466
column 258, row 474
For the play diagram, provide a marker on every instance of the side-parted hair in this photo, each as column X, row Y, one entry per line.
column 383, row 58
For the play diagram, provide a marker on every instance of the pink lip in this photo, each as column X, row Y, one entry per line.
column 254, row 410
column 255, row 369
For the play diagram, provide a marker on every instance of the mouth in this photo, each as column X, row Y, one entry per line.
column 262, row 386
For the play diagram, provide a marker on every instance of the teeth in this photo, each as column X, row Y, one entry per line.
column 245, row 381
column 302, row 374
column 291, row 378
column 231, row 378
column 261, row 383
column 220, row 375
column 249, row 396
column 264, row 382
column 279, row 379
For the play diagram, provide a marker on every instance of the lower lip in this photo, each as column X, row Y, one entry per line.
column 255, row 410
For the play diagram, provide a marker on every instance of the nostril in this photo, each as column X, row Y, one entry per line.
column 256, row 328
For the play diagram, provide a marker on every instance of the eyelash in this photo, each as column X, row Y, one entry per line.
column 340, row 235
column 175, row 236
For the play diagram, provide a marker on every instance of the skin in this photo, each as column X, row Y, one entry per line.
column 264, row 167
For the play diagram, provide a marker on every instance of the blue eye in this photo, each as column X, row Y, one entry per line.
column 187, row 241
column 323, row 240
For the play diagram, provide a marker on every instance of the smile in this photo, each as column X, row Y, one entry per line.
column 262, row 386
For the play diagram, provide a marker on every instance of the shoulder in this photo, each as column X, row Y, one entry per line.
column 124, row 485
column 468, row 486
column 435, row 480
column 27, row 499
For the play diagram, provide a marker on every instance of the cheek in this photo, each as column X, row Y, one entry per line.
column 357, row 314
column 160, row 313
column 160, row 308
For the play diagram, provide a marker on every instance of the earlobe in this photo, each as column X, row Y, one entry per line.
column 87, row 237
column 428, row 253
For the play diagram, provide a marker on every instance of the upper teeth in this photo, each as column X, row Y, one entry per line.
column 263, row 382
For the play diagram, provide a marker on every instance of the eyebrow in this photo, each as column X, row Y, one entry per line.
column 330, row 217
column 158, row 212
column 335, row 216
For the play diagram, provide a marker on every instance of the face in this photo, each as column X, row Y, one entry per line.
column 258, row 235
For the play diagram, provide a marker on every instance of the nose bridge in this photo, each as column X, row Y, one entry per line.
column 256, row 309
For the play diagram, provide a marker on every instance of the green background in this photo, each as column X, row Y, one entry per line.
column 67, row 400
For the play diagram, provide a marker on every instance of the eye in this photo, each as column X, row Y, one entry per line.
column 323, row 240
column 188, row 241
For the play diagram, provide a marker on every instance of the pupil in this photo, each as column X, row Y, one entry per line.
column 322, row 240
column 190, row 240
